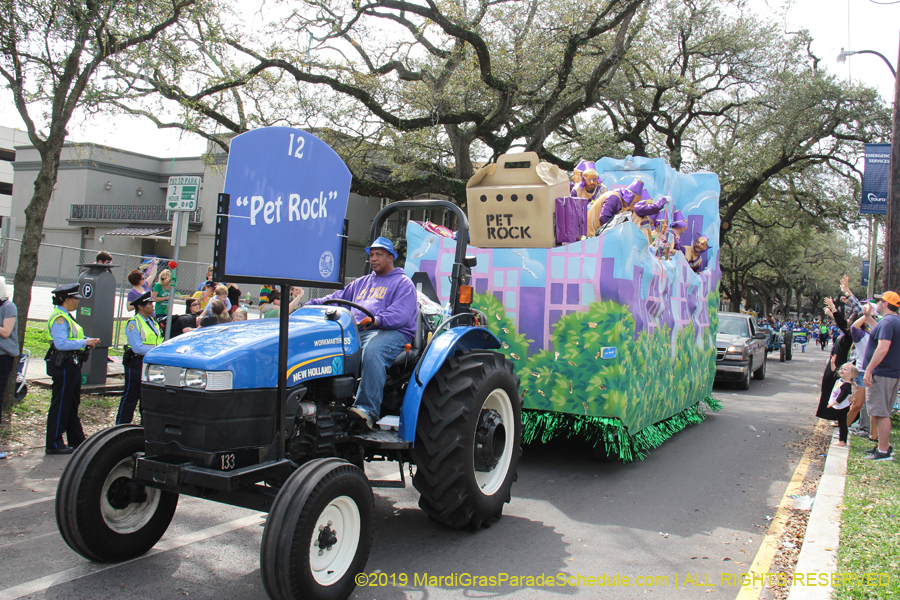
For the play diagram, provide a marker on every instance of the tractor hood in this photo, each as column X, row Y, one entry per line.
column 317, row 347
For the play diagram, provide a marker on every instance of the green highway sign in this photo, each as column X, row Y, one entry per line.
column 183, row 193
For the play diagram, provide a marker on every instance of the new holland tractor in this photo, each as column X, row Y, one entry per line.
column 215, row 426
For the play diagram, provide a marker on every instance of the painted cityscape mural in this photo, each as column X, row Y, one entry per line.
column 601, row 327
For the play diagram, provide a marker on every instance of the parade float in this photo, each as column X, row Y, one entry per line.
column 613, row 336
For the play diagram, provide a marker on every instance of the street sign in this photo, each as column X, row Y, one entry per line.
column 183, row 193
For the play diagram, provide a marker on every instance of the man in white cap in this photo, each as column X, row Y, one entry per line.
column 391, row 296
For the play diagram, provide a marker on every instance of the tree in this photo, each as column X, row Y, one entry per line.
column 52, row 53
column 422, row 90
column 709, row 86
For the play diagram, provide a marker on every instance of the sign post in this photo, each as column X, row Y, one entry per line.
column 181, row 198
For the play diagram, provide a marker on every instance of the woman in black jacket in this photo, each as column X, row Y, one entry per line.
column 838, row 357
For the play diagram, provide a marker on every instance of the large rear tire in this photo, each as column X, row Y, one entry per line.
column 319, row 532
column 100, row 513
column 468, row 440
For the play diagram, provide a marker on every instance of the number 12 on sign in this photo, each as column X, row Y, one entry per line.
column 300, row 142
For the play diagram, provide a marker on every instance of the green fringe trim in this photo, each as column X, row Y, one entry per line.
column 610, row 432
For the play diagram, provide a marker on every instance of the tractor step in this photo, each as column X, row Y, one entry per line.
column 381, row 439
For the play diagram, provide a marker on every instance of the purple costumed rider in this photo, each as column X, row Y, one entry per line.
column 694, row 253
column 590, row 186
column 391, row 296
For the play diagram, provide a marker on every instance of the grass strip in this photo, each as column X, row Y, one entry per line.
column 869, row 551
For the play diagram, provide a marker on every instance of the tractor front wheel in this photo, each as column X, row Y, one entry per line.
column 318, row 533
column 102, row 514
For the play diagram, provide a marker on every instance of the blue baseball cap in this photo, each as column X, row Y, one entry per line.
column 385, row 243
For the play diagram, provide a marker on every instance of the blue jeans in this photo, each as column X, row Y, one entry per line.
column 379, row 349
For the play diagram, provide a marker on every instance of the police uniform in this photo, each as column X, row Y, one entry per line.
column 143, row 335
column 64, row 360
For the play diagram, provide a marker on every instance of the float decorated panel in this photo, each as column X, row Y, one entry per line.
column 614, row 326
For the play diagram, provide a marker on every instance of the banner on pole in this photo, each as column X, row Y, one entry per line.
column 865, row 274
column 877, row 167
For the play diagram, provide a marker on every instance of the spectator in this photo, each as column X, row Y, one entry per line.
column 139, row 287
column 9, row 340
column 103, row 258
column 234, row 297
column 162, row 290
column 882, row 376
column 271, row 309
column 187, row 321
column 217, row 314
column 205, row 294
column 265, row 297
column 840, row 399
column 860, row 332
column 239, row 315
column 838, row 357
column 208, row 280
column 222, row 296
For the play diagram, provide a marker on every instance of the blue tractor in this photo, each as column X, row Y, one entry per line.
column 218, row 424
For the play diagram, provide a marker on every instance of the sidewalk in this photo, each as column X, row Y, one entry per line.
column 36, row 374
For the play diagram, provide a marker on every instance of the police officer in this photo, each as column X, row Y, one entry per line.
column 64, row 360
column 143, row 335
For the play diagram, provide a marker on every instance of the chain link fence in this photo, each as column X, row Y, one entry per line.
column 60, row 264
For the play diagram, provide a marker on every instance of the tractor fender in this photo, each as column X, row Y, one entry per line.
column 437, row 352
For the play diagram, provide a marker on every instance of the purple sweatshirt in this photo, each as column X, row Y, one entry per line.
column 391, row 298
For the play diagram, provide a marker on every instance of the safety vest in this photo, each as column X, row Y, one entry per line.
column 148, row 335
column 75, row 330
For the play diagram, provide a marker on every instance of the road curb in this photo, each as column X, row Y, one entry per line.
column 818, row 554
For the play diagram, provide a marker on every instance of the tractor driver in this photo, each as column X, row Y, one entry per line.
column 391, row 296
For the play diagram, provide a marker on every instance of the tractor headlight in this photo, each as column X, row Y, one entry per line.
column 155, row 374
column 194, row 378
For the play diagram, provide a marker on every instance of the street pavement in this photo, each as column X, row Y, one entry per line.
column 691, row 517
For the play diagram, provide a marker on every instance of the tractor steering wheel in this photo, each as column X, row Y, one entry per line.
column 358, row 307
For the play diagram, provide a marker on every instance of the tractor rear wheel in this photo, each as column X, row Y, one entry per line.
column 468, row 440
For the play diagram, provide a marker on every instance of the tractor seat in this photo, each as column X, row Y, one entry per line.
column 416, row 345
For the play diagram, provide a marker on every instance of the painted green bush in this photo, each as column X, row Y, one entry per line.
column 515, row 344
column 651, row 378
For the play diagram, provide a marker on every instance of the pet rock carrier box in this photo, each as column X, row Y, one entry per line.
column 511, row 202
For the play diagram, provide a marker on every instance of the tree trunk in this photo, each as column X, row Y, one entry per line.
column 31, row 238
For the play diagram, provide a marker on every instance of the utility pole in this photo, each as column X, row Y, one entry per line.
column 891, row 279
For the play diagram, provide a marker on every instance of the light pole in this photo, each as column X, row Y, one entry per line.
column 891, row 279
column 842, row 57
